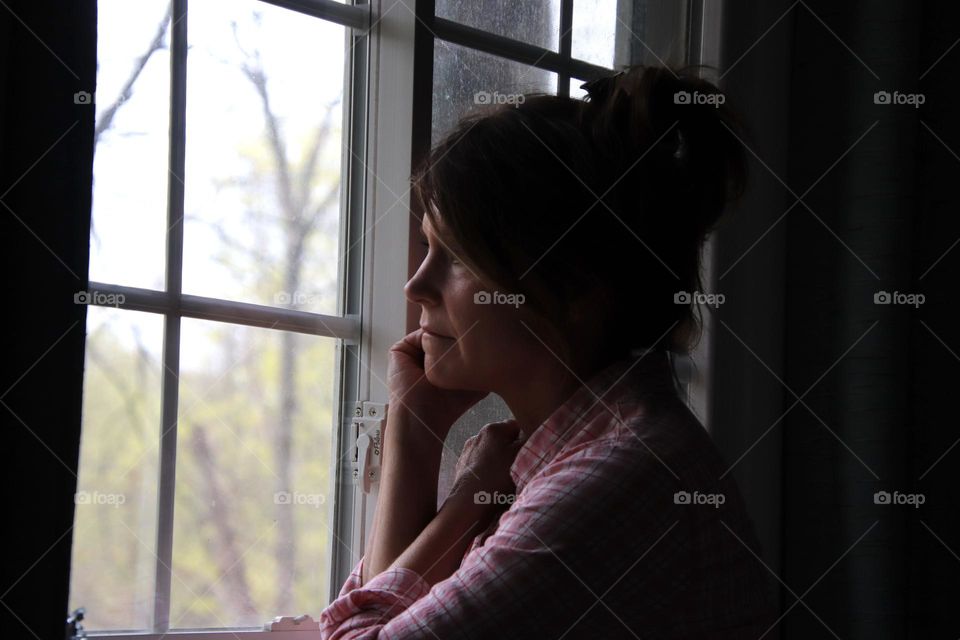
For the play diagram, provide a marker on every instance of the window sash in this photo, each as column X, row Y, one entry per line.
column 174, row 305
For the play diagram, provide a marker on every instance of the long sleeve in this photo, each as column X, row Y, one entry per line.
column 587, row 550
column 364, row 608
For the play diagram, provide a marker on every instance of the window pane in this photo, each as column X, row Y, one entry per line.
column 131, row 145
column 536, row 22
column 114, row 533
column 264, row 123
column 490, row 409
column 253, row 509
column 595, row 29
column 464, row 79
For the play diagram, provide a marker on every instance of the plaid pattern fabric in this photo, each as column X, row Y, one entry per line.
column 621, row 528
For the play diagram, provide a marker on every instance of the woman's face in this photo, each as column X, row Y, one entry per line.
column 474, row 338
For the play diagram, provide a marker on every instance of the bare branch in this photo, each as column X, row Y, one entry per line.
column 253, row 70
column 105, row 121
column 313, row 153
column 332, row 195
column 225, row 550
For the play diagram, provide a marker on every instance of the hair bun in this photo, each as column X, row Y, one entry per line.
column 676, row 130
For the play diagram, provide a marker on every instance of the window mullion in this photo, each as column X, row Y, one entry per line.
column 171, row 337
column 566, row 46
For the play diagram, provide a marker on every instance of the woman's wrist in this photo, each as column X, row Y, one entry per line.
column 414, row 432
column 439, row 549
column 407, row 496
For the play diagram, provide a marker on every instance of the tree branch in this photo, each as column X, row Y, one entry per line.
column 105, row 121
column 225, row 551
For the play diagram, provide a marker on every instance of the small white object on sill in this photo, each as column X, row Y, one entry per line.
column 290, row 623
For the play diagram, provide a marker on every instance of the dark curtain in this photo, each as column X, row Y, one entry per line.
column 46, row 163
column 879, row 213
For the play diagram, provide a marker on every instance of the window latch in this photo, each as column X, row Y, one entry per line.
column 367, row 427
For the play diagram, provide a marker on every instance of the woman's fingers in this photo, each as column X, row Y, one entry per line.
column 509, row 429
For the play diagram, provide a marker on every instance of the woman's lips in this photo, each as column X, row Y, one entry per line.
column 427, row 332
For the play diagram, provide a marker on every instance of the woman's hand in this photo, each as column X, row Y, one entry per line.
column 410, row 390
column 483, row 469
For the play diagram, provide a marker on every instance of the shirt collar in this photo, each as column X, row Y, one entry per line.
column 604, row 391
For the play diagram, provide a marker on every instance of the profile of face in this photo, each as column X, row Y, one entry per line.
column 474, row 338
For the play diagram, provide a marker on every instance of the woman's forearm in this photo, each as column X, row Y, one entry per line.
column 407, row 499
column 438, row 550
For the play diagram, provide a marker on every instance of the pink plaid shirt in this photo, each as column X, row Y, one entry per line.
column 621, row 528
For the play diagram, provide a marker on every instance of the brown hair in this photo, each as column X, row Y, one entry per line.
column 604, row 202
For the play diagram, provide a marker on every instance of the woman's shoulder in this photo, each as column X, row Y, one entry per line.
column 652, row 457
column 646, row 436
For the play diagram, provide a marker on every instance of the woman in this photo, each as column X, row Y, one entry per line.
column 564, row 241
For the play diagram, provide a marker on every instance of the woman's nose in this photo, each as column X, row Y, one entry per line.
column 419, row 289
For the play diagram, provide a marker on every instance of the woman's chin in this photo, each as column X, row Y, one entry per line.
column 439, row 372
column 435, row 373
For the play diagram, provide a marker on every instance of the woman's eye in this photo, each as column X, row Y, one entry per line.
column 424, row 243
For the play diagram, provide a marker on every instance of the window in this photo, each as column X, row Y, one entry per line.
column 248, row 252
column 223, row 327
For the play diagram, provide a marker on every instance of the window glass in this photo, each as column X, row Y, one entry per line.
column 115, row 523
column 131, row 143
column 253, row 507
column 263, row 165
column 464, row 79
column 536, row 22
column 595, row 28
